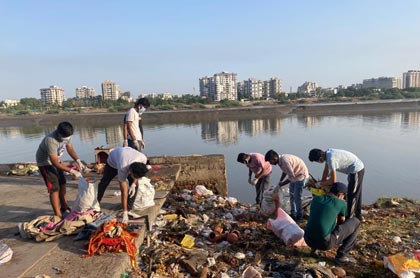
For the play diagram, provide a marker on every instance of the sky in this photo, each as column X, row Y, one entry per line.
column 166, row 46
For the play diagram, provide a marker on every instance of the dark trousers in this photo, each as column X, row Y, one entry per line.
column 108, row 175
column 131, row 145
column 354, row 194
column 343, row 236
column 262, row 184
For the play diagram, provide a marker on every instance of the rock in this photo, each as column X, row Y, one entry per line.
column 339, row 272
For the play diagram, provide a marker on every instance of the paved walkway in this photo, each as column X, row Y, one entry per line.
column 25, row 198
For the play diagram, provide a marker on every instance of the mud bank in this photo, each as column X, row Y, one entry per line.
column 209, row 115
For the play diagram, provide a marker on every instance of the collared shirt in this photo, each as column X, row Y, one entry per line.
column 294, row 167
column 121, row 158
column 343, row 161
column 258, row 163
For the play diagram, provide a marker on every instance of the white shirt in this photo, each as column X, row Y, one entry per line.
column 121, row 158
column 343, row 161
column 133, row 116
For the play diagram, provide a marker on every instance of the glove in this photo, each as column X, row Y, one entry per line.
column 250, row 180
column 142, row 144
column 318, row 184
column 132, row 190
column 125, row 144
column 77, row 174
column 136, row 144
column 80, row 164
column 125, row 217
column 254, row 181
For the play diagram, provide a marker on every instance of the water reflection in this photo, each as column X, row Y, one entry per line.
column 114, row 135
column 309, row 121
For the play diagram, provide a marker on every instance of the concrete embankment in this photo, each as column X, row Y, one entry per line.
column 217, row 114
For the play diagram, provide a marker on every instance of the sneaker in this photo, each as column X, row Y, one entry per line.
column 346, row 259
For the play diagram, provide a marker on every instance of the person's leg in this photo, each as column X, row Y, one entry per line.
column 259, row 189
column 50, row 176
column 292, row 186
column 346, row 234
column 354, row 194
column 131, row 145
column 298, row 198
column 62, row 192
column 109, row 174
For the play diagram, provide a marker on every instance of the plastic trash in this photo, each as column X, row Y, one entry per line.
column 188, row 241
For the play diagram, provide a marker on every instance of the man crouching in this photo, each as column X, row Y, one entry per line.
column 328, row 227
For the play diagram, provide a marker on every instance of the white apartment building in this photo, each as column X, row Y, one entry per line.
column 85, row 92
column 411, row 79
column 307, row 87
column 11, row 102
column 382, row 83
column 219, row 87
column 110, row 90
column 253, row 88
column 52, row 95
column 275, row 86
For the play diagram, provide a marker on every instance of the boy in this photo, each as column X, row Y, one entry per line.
column 133, row 128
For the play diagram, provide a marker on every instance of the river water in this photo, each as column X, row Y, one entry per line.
column 388, row 143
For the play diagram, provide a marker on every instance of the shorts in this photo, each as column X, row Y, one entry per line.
column 53, row 177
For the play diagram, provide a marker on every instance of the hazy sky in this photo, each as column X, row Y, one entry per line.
column 165, row 46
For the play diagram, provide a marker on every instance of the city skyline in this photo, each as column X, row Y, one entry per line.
column 167, row 46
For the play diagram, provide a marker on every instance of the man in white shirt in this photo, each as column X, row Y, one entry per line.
column 127, row 163
column 347, row 163
column 133, row 128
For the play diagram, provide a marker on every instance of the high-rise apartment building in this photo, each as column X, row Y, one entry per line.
column 411, row 79
column 307, row 87
column 204, row 86
column 110, row 90
column 382, row 83
column 52, row 95
column 253, row 88
column 85, row 92
column 220, row 86
column 275, row 86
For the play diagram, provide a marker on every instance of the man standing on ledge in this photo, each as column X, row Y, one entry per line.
column 133, row 128
column 262, row 172
column 328, row 227
column 52, row 170
column 347, row 163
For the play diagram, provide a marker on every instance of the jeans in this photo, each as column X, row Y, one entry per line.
column 262, row 184
column 295, row 192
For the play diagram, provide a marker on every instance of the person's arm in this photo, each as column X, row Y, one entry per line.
column 124, row 194
column 249, row 173
column 56, row 163
column 325, row 172
column 341, row 219
column 259, row 173
column 141, row 128
column 332, row 178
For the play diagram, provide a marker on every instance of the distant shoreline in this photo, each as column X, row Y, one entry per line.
column 216, row 114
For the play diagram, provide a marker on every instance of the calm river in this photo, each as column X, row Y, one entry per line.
column 387, row 143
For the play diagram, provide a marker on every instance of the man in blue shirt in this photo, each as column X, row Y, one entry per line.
column 328, row 227
column 347, row 163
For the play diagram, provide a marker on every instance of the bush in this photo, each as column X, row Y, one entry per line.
column 53, row 111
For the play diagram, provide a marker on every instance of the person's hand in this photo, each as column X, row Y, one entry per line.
column 136, row 144
column 250, row 180
column 125, row 144
column 132, row 190
column 75, row 173
column 142, row 144
column 125, row 217
column 81, row 165
column 254, row 181
column 318, row 184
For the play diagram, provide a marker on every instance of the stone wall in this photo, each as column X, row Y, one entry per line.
column 207, row 170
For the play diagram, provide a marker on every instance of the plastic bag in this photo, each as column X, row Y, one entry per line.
column 270, row 201
column 285, row 228
column 405, row 266
column 86, row 196
column 6, row 253
column 145, row 195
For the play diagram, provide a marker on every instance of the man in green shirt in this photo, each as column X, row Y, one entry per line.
column 328, row 227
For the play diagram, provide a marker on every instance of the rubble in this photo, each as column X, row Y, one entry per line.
column 255, row 248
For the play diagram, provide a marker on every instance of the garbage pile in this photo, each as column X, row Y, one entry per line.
column 203, row 235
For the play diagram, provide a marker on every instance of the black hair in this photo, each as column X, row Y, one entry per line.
column 241, row 158
column 143, row 102
column 64, row 129
column 271, row 155
column 315, row 155
column 138, row 169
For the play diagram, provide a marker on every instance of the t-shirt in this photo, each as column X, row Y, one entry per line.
column 121, row 158
column 294, row 167
column 343, row 161
column 257, row 163
column 323, row 216
column 133, row 116
column 49, row 146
